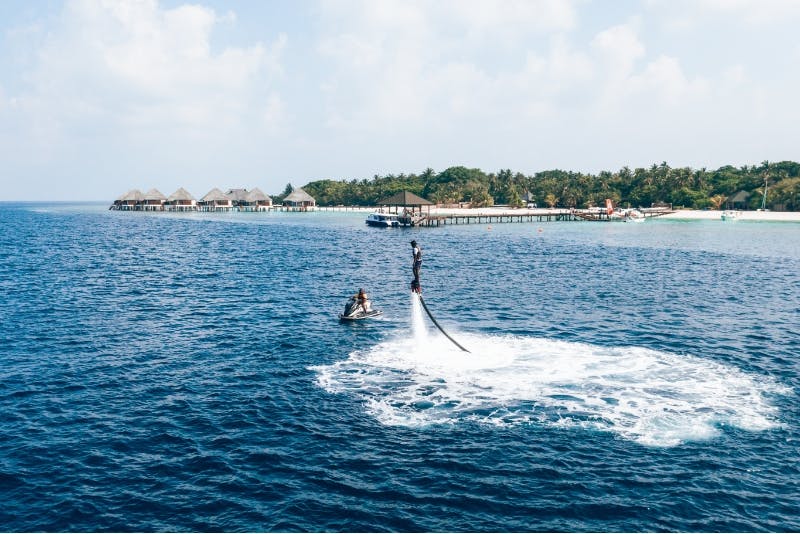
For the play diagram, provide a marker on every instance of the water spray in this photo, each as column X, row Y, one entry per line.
column 415, row 288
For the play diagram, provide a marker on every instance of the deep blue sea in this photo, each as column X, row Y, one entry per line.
column 189, row 373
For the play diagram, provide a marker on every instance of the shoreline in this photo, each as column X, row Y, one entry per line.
column 682, row 214
column 688, row 215
column 742, row 215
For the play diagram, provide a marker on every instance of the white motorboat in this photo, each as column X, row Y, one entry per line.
column 633, row 215
column 730, row 215
column 384, row 220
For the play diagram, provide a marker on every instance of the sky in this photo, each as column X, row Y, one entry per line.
column 98, row 97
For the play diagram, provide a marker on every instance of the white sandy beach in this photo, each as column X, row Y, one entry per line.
column 697, row 215
column 774, row 216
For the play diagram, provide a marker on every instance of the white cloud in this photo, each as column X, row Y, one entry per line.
column 752, row 11
column 734, row 75
column 619, row 48
column 275, row 114
column 390, row 86
column 494, row 19
column 135, row 64
column 664, row 80
column 399, row 63
column 658, row 84
column 698, row 14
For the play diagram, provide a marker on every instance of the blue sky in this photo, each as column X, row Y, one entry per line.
column 98, row 97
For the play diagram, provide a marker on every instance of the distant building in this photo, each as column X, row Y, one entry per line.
column 256, row 200
column 238, row 197
column 299, row 200
column 739, row 200
column 153, row 200
column 180, row 200
column 215, row 200
column 128, row 201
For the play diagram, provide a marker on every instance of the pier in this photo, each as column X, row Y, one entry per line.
column 504, row 216
column 409, row 209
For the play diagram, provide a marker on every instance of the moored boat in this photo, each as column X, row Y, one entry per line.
column 730, row 215
column 382, row 219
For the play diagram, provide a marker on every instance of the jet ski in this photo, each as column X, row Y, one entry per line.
column 353, row 311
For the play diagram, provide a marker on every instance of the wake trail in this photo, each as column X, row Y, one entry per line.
column 652, row 397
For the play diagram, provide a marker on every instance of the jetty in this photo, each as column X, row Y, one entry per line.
column 410, row 209
column 602, row 215
column 494, row 216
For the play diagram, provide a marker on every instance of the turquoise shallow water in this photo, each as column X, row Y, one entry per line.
column 188, row 373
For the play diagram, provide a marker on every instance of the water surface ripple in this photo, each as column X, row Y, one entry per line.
column 187, row 373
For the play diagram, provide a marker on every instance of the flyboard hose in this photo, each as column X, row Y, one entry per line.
column 425, row 306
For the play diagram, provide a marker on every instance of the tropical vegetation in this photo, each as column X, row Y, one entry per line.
column 640, row 187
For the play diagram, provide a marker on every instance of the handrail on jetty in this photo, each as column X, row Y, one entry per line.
column 509, row 216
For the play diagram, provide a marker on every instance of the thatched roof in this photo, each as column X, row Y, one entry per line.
column 256, row 195
column 405, row 198
column 180, row 194
column 134, row 195
column 298, row 195
column 214, row 195
column 237, row 195
column 154, row 194
column 741, row 196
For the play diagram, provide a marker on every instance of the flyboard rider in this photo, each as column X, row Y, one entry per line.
column 416, row 253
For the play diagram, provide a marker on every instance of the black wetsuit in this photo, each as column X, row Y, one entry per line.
column 417, row 263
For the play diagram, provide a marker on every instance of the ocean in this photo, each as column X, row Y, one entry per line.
column 163, row 372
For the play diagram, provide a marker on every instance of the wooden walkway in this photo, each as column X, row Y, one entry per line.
column 493, row 218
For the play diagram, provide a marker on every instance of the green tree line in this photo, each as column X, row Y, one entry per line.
column 640, row 187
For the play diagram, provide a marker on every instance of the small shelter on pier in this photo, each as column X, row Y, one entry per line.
column 299, row 200
column 180, row 200
column 128, row 201
column 153, row 200
column 412, row 204
column 257, row 200
column 215, row 200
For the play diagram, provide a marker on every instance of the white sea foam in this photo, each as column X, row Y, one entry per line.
column 418, row 321
column 651, row 397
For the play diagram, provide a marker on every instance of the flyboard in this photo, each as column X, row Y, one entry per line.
column 418, row 290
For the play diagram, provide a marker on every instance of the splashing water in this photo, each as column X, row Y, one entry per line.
column 651, row 397
column 418, row 322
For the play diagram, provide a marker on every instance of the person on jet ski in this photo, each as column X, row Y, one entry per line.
column 361, row 298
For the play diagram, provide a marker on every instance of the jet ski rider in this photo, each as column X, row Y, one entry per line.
column 361, row 298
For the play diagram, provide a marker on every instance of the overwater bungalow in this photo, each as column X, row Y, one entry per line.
column 181, row 200
column 238, row 197
column 299, row 200
column 257, row 201
column 215, row 200
column 153, row 200
column 128, row 201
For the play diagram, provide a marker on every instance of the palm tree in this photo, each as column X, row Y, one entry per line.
column 717, row 201
column 767, row 166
